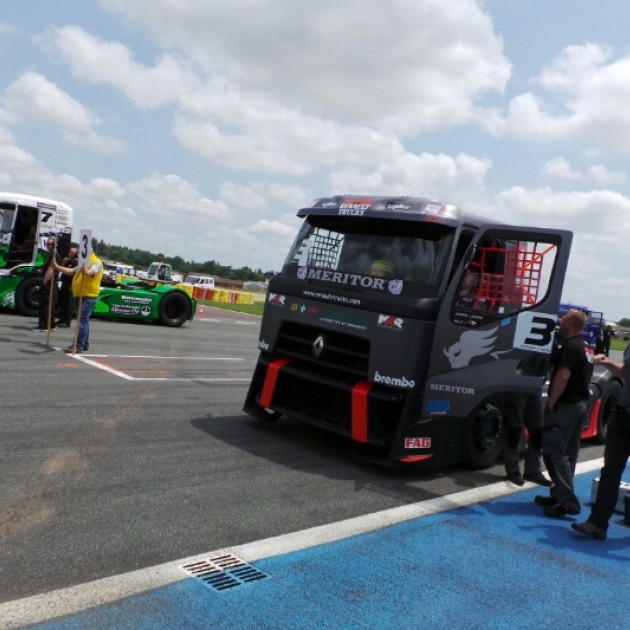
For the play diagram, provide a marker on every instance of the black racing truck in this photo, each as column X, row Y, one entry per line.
column 400, row 323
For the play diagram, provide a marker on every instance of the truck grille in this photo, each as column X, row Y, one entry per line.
column 323, row 397
column 327, row 349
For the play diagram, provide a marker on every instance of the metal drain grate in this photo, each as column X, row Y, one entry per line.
column 223, row 572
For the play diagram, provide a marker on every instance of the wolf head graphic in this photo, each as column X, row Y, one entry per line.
column 472, row 343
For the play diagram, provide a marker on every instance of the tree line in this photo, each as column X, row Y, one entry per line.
column 141, row 259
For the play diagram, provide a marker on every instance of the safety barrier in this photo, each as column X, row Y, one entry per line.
column 211, row 295
column 188, row 288
column 221, row 295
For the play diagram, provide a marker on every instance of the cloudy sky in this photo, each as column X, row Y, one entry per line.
column 198, row 127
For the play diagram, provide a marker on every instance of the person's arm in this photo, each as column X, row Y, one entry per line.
column 52, row 267
column 68, row 271
column 612, row 366
column 93, row 269
column 47, row 275
column 557, row 386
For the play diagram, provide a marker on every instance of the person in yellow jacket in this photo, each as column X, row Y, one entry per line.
column 86, row 285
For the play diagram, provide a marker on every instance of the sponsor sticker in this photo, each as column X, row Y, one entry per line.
column 395, row 381
column 390, row 322
column 137, row 299
column 395, row 287
column 438, row 406
column 534, row 331
column 341, row 318
column 276, row 299
column 417, row 442
column 125, row 309
column 355, row 206
column 452, row 389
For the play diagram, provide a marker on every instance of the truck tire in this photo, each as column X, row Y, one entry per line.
column 27, row 296
column 485, row 439
column 174, row 309
column 610, row 395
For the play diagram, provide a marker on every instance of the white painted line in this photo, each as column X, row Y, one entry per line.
column 228, row 321
column 88, row 358
column 149, row 356
column 193, row 379
column 105, row 368
column 74, row 599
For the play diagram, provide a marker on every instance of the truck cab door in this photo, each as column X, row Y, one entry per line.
column 23, row 234
column 497, row 321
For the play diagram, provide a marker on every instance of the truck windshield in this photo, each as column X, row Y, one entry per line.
column 350, row 252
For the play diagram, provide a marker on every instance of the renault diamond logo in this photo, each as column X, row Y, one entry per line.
column 317, row 347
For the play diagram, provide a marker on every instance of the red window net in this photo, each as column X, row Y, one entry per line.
column 520, row 282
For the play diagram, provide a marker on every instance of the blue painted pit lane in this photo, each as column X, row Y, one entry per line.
column 494, row 564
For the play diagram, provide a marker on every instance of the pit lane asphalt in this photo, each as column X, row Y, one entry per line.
column 138, row 453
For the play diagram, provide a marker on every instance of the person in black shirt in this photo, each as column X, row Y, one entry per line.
column 48, row 289
column 616, row 453
column 565, row 415
column 65, row 289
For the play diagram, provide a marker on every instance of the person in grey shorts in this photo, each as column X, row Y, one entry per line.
column 565, row 414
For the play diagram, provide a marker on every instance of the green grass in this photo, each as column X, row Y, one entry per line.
column 253, row 309
column 618, row 344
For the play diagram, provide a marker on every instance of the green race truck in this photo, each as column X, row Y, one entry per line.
column 26, row 221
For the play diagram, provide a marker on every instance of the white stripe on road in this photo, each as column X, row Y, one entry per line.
column 89, row 359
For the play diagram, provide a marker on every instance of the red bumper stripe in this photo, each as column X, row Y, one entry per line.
column 271, row 377
column 360, row 411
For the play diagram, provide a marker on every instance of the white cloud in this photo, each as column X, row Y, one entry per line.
column 172, row 197
column 404, row 65
column 95, row 60
column 256, row 135
column 585, row 99
column 13, row 158
column 33, row 97
column 262, row 195
column 599, row 174
column 7, row 29
column 458, row 179
column 602, row 214
column 560, row 169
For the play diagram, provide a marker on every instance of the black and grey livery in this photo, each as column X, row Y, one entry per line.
column 366, row 332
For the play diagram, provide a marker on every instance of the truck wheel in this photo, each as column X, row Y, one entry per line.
column 174, row 309
column 610, row 396
column 27, row 296
column 486, row 438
